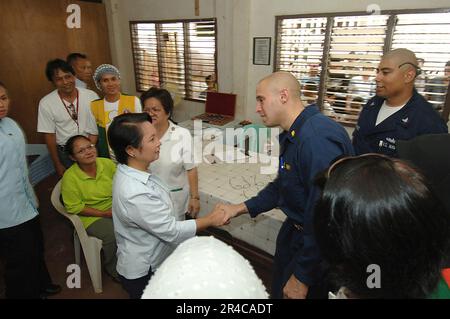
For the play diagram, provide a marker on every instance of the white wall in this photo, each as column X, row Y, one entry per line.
column 238, row 22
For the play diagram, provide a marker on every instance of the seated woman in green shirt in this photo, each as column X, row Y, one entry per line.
column 87, row 191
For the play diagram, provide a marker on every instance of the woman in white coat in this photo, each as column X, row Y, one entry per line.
column 175, row 166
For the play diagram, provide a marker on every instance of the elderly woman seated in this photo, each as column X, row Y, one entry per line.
column 382, row 231
column 87, row 191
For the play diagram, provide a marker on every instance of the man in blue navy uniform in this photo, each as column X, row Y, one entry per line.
column 309, row 143
column 397, row 112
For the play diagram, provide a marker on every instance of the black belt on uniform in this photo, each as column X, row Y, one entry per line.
column 62, row 147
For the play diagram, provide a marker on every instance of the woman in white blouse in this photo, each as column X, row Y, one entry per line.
column 175, row 166
column 145, row 224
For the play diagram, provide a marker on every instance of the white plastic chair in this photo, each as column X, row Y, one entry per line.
column 91, row 245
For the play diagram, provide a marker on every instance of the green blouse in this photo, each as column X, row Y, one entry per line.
column 80, row 190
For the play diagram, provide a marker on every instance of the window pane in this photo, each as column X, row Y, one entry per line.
column 427, row 35
column 145, row 55
column 171, row 53
column 299, row 51
column 355, row 51
column 201, row 56
column 175, row 55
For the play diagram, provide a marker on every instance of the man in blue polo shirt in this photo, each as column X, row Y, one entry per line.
column 397, row 112
column 309, row 143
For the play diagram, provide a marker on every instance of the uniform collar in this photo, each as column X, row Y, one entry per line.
column 401, row 116
column 141, row 176
column 171, row 129
column 377, row 101
column 301, row 119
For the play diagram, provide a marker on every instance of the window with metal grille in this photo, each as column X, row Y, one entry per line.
column 176, row 55
column 335, row 56
column 428, row 35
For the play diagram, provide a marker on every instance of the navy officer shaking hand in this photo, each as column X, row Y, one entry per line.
column 309, row 143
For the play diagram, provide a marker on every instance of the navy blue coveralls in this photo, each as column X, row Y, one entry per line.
column 417, row 117
column 310, row 145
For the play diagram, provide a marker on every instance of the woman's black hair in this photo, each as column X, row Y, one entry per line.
column 68, row 148
column 380, row 211
column 57, row 64
column 124, row 131
column 162, row 95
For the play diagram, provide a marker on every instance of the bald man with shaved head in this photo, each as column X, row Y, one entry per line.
column 397, row 112
column 309, row 143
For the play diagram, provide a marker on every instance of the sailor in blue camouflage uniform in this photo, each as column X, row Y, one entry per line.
column 309, row 143
column 397, row 112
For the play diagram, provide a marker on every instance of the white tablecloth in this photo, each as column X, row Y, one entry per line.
column 234, row 183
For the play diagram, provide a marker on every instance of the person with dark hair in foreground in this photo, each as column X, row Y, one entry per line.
column 145, row 224
column 382, row 231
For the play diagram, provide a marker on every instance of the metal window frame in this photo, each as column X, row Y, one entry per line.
column 133, row 23
column 390, row 24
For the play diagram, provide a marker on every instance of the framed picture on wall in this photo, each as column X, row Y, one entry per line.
column 261, row 50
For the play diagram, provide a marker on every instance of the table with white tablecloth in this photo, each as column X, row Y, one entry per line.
column 235, row 182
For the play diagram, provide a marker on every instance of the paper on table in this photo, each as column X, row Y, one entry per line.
column 229, row 155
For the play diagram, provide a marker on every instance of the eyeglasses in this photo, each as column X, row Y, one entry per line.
column 344, row 159
column 152, row 109
column 83, row 150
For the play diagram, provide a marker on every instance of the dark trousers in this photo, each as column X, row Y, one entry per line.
column 22, row 248
column 289, row 245
column 135, row 287
column 103, row 229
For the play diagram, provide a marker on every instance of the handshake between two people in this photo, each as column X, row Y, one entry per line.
column 223, row 213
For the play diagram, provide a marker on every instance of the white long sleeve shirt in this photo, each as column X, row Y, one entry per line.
column 144, row 222
column 18, row 202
